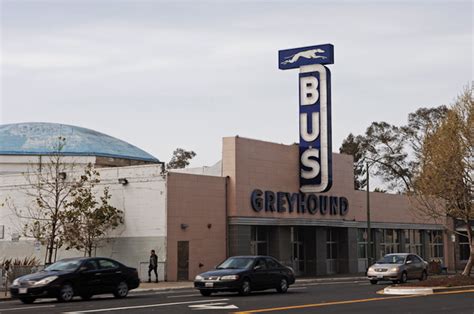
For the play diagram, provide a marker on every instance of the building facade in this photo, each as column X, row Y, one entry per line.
column 248, row 203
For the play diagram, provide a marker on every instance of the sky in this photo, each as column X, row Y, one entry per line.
column 168, row 74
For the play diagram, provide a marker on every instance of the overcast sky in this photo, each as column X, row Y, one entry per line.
column 167, row 74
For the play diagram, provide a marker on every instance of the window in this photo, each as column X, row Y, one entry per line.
column 436, row 243
column 261, row 263
column 272, row 264
column 413, row 242
column 464, row 251
column 258, row 240
column 389, row 241
column 331, row 243
column 90, row 265
column 106, row 264
column 362, row 242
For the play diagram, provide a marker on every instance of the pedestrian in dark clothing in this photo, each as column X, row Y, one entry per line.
column 153, row 266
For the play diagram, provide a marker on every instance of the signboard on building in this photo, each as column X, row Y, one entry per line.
column 315, row 149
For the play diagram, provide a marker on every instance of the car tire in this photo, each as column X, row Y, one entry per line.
column 404, row 277
column 86, row 296
column 121, row 291
column 283, row 286
column 245, row 288
column 424, row 276
column 205, row 293
column 27, row 300
column 374, row 282
column 66, row 293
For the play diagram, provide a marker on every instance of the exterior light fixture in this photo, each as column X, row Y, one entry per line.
column 184, row 226
column 123, row 181
column 209, row 226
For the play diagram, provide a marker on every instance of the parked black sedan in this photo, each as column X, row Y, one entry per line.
column 244, row 274
column 84, row 277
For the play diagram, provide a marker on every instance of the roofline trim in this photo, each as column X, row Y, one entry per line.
column 20, row 153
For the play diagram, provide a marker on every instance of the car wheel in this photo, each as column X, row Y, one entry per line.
column 205, row 293
column 27, row 300
column 245, row 288
column 86, row 296
column 424, row 276
column 374, row 282
column 283, row 287
column 66, row 293
column 403, row 278
column 122, row 290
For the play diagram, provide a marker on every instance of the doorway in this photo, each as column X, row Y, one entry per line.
column 183, row 260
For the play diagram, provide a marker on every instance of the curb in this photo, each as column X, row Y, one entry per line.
column 421, row 290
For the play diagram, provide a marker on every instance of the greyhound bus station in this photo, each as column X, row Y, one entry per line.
column 294, row 202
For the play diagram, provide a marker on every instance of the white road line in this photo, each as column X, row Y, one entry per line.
column 25, row 308
column 184, row 295
column 144, row 306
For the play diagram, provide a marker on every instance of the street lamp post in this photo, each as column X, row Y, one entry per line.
column 369, row 233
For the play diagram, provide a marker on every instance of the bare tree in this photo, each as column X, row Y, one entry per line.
column 48, row 188
column 87, row 221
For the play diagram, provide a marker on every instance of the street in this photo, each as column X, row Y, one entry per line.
column 354, row 296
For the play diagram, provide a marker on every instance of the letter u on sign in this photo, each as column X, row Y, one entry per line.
column 315, row 129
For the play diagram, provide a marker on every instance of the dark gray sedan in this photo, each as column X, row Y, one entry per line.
column 398, row 267
column 244, row 274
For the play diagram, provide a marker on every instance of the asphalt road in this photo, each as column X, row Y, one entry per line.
column 326, row 297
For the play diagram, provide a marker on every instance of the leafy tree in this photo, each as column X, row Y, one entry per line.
column 88, row 220
column 352, row 145
column 180, row 158
column 393, row 152
column 49, row 189
column 447, row 169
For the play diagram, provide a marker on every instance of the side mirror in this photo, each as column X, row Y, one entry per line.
column 409, row 262
column 82, row 269
column 257, row 267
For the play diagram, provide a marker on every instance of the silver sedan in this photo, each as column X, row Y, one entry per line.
column 398, row 267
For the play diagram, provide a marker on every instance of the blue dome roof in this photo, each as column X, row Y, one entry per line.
column 40, row 139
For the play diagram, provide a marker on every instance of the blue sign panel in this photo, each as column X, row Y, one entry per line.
column 297, row 57
column 315, row 149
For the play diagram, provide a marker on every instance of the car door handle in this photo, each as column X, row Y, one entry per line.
column 98, row 274
column 118, row 272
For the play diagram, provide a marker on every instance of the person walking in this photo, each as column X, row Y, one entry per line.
column 153, row 266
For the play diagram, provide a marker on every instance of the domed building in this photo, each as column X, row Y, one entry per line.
column 23, row 145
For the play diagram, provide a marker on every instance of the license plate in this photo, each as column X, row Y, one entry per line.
column 23, row 290
column 209, row 284
column 379, row 276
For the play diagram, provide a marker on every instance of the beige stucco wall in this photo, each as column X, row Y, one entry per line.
column 197, row 201
column 253, row 164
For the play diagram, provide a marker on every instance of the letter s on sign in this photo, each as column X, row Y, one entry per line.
column 257, row 200
column 310, row 163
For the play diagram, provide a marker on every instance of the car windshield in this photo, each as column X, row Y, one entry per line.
column 392, row 259
column 64, row 265
column 236, row 263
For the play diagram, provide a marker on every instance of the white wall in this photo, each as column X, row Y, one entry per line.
column 11, row 164
column 143, row 201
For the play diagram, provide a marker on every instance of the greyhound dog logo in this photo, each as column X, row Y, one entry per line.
column 308, row 54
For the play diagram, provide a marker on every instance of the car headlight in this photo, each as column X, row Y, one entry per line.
column 371, row 268
column 16, row 282
column 45, row 281
column 394, row 269
column 230, row 277
column 199, row 278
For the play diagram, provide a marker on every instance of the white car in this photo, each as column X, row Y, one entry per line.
column 398, row 267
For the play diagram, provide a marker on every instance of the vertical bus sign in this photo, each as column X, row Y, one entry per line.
column 315, row 149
